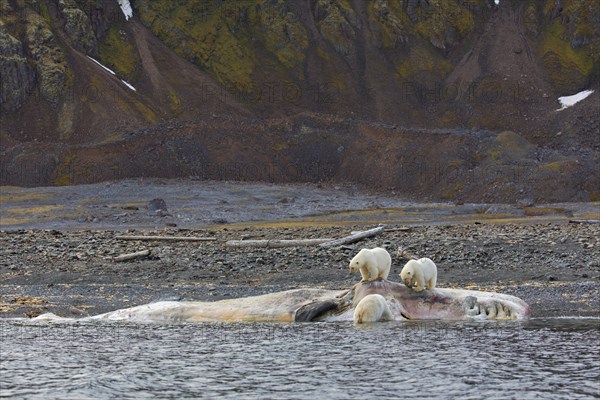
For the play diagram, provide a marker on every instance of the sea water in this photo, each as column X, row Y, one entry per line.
column 535, row 359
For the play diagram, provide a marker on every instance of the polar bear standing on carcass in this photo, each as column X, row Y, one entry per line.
column 372, row 264
column 419, row 274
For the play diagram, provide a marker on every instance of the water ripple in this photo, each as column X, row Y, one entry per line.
column 550, row 359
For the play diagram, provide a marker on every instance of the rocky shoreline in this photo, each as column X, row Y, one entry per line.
column 555, row 267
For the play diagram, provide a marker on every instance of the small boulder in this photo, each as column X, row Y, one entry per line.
column 526, row 202
column 156, row 205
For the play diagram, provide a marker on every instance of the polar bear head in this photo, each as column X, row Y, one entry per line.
column 409, row 271
column 357, row 262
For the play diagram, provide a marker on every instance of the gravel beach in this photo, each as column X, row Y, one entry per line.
column 554, row 267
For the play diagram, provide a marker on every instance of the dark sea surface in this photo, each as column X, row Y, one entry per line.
column 535, row 359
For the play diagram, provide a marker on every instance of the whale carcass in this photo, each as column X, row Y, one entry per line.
column 308, row 305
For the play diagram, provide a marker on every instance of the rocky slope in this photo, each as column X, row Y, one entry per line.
column 450, row 99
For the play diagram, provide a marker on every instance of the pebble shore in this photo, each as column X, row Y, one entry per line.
column 555, row 267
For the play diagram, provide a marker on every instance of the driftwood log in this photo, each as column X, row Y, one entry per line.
column 401, row 229
column 167, row 238
column 276, row 242
column 354, row 237
column 132, row 256
column 324, row 242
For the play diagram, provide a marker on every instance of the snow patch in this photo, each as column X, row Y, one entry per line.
column 126, row 8
column 128, row 85
column 568, row 101
column 106, row 68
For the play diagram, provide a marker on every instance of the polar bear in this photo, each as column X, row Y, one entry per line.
column 372, row 308
column 419, row 274
column 372, row 264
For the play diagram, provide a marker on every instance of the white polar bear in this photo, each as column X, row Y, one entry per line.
column 372, row 264
column 418, row 274
column 372, row 308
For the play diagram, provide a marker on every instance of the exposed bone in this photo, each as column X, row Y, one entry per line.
column 500, row 314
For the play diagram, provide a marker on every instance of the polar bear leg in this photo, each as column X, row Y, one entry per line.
column 432, row 282
column 419, row 281
column 364, row 273
column 384, row 262
column 429, row 272
column 384, row 270
column 368, row 272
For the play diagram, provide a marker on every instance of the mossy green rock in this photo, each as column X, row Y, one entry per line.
column 18, row 77
column 229, row 39
column 570, row 43
column 77, row 27
column 117, row 51
column 49, row 57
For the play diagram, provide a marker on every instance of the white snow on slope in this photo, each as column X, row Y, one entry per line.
column 568, row 101
column 126, row 8
column 106, row 68
column 128, row 85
